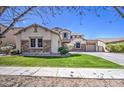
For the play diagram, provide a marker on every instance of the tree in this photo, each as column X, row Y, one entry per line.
column 12, row 15
column 16, row 16
column 120, row 10
column 2, row 9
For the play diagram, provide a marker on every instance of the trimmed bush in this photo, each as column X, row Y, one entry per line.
column 63, row 50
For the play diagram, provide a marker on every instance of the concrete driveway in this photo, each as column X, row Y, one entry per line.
column 114, row 57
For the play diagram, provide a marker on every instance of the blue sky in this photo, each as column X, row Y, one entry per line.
column 90, row 25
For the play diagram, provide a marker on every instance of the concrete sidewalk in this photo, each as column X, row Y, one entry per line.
column 64, row 72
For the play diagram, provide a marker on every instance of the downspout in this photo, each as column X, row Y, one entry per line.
column 51, row 42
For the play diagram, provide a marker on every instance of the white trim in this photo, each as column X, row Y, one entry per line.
column 36, row 44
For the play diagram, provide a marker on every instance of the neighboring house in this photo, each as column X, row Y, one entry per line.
column 9, row 37
column 77, row 42
column 112, row 40
column 37, row 39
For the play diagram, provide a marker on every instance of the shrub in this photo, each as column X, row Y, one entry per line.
column 0, row 50
column 14, row 52
column 6, row 49
column 122, row 48
column 116, row 48
column 63, row 50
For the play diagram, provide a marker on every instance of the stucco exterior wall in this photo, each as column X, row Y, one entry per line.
column 55, row 43
column 81, row 40
column 68, row 34
column 101, row 44
column 72, row 44
column 18, row 42
column 44, row 34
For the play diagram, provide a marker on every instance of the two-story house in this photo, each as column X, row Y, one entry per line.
column 77, row 42
column 39, row 39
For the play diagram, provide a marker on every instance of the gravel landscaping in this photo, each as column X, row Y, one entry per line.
column 28, row 81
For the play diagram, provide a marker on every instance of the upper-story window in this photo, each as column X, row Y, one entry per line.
column 65, row 36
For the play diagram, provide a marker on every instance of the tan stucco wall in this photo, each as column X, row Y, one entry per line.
column 101, row 44
column 18, row 42
column 71, row 45
column 81, row 40
column 55, row 43
column 46, row 35
column 62, row 32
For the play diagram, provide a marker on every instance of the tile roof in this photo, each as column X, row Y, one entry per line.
column 109, row 40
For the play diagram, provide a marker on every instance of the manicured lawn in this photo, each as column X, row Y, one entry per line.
column 75, row 60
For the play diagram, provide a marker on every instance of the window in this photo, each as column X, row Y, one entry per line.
column 39, row 42
column 78, row 45
column 65, row 35
column 71, row 37
column 33, row 42
column 36, row 42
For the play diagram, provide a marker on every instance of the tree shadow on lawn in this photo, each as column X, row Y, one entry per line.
column 54, row 57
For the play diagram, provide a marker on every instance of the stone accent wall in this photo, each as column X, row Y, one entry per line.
column 40, row 50
column 82, row 49
column 46, row 45
column 25, row 46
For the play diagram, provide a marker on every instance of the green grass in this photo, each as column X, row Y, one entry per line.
column 75, row 60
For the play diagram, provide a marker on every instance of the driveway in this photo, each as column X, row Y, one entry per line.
column 114, row 57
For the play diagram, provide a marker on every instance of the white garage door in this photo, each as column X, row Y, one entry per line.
column 91, row 48
column 100, row 49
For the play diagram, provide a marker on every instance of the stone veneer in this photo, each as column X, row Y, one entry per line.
column 47, row 46
column 81, row 49
column 25, row 46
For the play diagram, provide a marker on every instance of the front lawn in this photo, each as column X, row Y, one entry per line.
column 75, row 60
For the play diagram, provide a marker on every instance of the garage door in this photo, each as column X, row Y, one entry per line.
column 91, row 48
column 100, row 49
